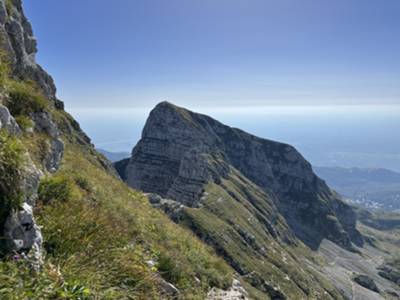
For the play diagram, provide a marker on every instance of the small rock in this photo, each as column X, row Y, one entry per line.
column 235, row 292
column 169, row 288
column 150, row 263
column 366, row 281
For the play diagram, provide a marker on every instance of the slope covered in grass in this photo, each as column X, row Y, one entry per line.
column 102, row 239
column 233, row 220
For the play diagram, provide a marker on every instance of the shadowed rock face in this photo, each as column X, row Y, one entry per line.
column 181, row 151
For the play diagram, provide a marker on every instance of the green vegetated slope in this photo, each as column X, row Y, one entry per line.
column 238, row 221
column 99, row 234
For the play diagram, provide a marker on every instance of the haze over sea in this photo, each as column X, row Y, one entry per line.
column 348, row 136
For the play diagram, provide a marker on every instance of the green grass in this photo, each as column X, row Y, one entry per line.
column 18, row 282
column 11, row 162
column 98, row 235
column 25, row 99
column 22, row 98
column 4, row 68
column 56, row 189
column 24, row 122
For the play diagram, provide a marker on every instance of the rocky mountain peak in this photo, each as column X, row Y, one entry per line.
column 180, row 152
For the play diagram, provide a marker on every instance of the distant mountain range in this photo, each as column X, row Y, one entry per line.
column 114, row 156
column 371, row 188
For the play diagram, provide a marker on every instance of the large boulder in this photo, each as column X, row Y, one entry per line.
column 22, row 232
column 7, row 121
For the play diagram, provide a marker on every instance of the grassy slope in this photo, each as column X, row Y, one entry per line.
column 281, row 264
column 98, row 233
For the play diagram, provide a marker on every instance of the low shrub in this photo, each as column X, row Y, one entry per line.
column 24, row 122
column 55, row 189
column 168, row 268
column 25, row 99
column 83, row 183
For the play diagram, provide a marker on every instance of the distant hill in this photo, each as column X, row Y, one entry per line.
column 371, row 188
column 114, row 156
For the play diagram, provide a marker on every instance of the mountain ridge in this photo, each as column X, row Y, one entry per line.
column 256, row 201
column 275, row 167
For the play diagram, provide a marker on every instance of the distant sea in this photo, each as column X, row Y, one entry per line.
column 346, row 136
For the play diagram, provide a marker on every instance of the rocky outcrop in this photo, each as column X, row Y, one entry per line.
column 235, row 292
column 173, row 209
column 7, row 121
column 21, row 233
column 45, row 124
column 20, row 230
column 18, row 41
column 390, row 273
column 366, row 281
column 181, row 151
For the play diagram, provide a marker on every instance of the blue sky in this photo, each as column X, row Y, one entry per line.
column 135, row 53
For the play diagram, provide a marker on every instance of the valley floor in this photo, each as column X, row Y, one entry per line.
column 342, row 265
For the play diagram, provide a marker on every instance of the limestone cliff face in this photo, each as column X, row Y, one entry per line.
column 181, row 151
column 18, row 40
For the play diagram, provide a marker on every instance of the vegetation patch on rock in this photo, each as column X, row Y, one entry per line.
column 25, row 99
column 11, row 162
